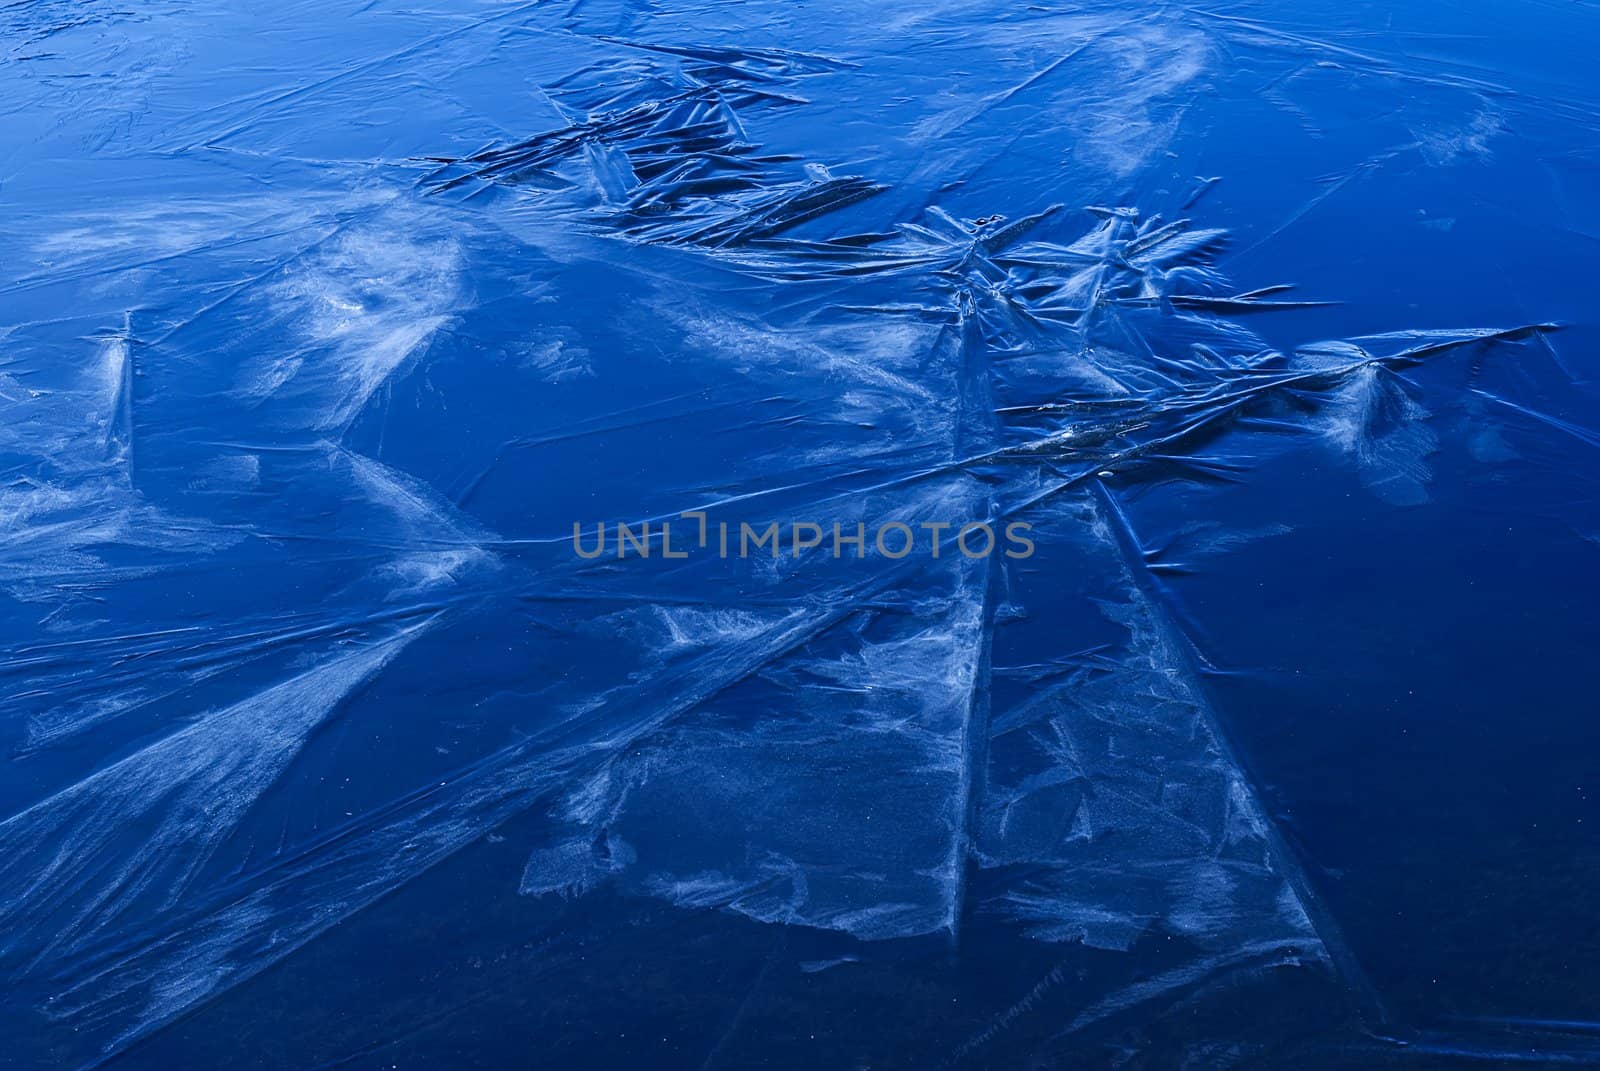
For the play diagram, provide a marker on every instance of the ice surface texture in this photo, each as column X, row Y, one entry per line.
column 322, row 327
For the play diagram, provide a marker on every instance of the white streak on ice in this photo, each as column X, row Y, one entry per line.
column 140, row 831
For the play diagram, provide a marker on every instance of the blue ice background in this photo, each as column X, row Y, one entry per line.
column 321, row 325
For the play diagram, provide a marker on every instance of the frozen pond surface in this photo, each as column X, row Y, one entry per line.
column 1274, row 326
